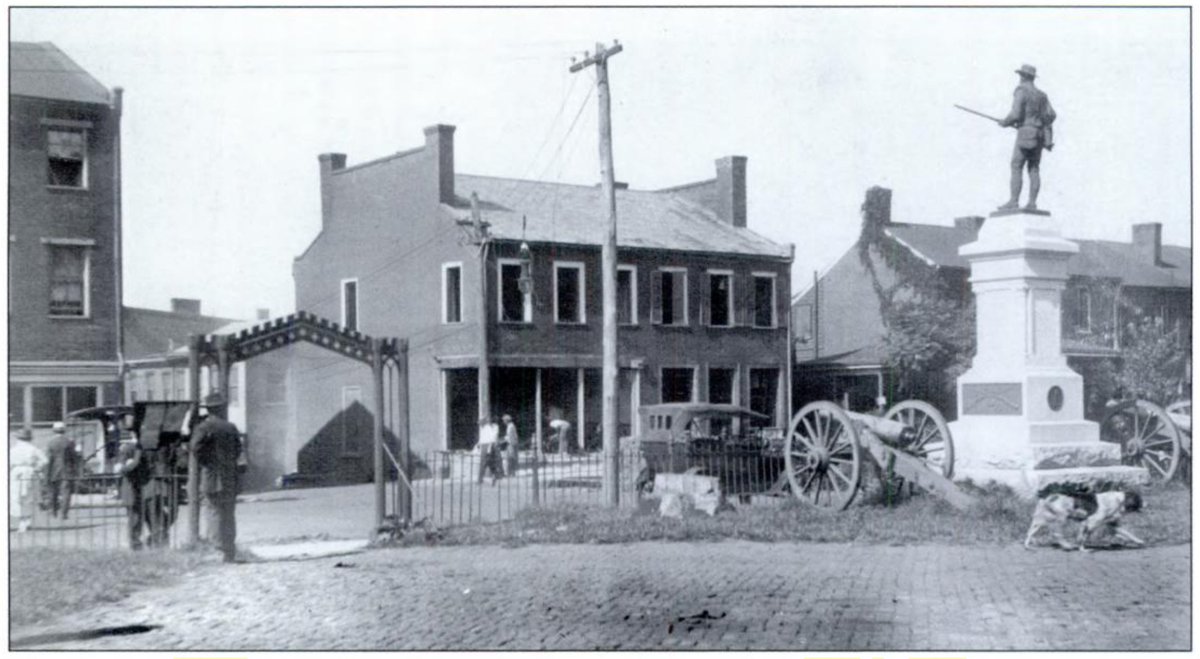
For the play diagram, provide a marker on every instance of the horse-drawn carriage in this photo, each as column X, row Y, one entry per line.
column 820, row 458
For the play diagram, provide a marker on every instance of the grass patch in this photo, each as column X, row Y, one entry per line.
column 48, row 583
column 999, row 517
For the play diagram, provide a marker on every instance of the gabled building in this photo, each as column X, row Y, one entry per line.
column 64, row 240
column 156, row 357
column 838, row 342
column 702, row 309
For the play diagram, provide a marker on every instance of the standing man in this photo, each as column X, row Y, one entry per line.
column 216, row 444
column 25, row 464
column 62, row 466
column 511, row 440
column 1034, row 118
column 135, row 474
column 489, row 435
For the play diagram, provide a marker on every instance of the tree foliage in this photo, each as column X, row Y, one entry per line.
column 1154, row 361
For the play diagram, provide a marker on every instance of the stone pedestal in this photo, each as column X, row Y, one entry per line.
column 1020, row 407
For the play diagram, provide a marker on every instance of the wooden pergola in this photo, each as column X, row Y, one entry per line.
column 222, row 351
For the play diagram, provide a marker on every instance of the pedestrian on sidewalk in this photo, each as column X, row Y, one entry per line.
column 489, row 453
column 217, row 443
column 62, row 468
column 511, row 439
column 25, row 465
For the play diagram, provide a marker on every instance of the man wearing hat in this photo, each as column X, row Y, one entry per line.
column 216, row 444
column 62, row 465
column 25, row 464
column 1033, row 117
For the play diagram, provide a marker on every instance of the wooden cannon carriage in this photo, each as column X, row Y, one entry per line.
column 820, row 458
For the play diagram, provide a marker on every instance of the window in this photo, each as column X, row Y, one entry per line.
column 677, row 385
column 670, row 296
column 764, row 300
column 764, row 384
column 452, row 293
column 350, row 304
column 69, row 265
column 515, row 306
column 720, row 298
column 626, row 295
column 181, row 384
column 720, row 385
column 52, row 404
column 1081, row 310
column 66, row 151
column 16, row 403
column 569, row 304
column 276, row 389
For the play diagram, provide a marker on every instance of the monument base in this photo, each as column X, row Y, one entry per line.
column 1027, row 482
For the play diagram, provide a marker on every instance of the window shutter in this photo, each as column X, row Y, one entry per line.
column 656, row 300
column 743, row 299
column 705, row 295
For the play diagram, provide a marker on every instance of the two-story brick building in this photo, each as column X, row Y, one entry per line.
column 64, row 185
column 839, row 331
column 703, row 300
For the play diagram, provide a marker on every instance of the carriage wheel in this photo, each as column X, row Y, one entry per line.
column 821, row 456
column 1147, row 436
column 933, row 444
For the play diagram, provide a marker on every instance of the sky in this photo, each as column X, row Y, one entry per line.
column 226, row 111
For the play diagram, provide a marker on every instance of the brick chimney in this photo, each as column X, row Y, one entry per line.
column 439, row 140
column 185, row 305
column 970, row 222
column 262, row 314
column 877, row 207
column 731, row 189
column 1147, row 242
column 330, row 163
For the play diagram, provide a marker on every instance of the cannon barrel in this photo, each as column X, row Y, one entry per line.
column 892, row 432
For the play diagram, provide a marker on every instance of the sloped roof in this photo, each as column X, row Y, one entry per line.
column 152, row 333
column 41, row 70
column 563, row 213
column 1096, row 258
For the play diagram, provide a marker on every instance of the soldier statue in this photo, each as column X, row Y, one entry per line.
column 1033, row 117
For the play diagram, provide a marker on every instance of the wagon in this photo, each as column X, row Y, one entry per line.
column 820, row 458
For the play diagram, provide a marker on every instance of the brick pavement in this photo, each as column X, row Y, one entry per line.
column 724, row 595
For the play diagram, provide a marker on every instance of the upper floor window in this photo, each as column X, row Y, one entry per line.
column 1080, row 310
column 764, row 300
column 569, row 304
column 669, row 290
column 452, row 293
column 720, row 298
column 515, row 306
column 627, row 295
column 66, row 151
column 52, row 404
column 350, row 304
column 69, row 273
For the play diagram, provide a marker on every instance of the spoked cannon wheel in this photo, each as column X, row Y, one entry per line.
column 822, row 456
column 1147, row 436
column 932, row 443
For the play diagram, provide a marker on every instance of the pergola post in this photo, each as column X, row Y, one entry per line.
column 193, row 481
column 377, row 382
column 406, row 501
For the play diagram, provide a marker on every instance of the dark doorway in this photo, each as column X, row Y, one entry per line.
column 462, row 408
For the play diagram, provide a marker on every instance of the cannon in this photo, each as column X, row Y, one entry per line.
column 820, row 458
column 826, row 450
column 1152, row 437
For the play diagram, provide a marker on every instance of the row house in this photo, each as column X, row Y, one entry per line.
column 411, row 248
column 64, row 222
column 839, row 333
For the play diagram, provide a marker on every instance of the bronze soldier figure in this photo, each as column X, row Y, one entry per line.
column 1033, row 117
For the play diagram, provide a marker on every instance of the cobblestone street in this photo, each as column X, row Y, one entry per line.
column 726, row 595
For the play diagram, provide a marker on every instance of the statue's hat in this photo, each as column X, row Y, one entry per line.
column 1027, row 70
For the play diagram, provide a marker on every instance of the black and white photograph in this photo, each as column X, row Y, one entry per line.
column 834, row 330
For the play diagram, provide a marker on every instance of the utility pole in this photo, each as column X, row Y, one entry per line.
column 479, row 233
column 608, row 271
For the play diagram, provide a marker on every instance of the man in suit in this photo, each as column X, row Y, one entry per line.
column 62, row 465
column 216, row 444
column 1034, row 118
